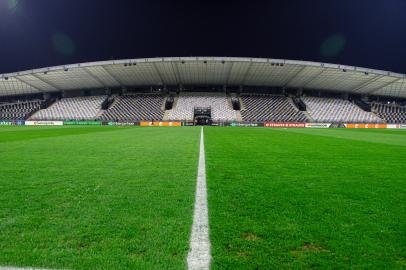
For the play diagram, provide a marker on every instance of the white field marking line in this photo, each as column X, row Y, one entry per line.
column 199, row 252
column 22, row 268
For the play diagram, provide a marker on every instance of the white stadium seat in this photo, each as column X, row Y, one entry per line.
column 261, row 108
column 391, row 113
column 19, row 110
column 220, row 108
column 337, row 110
column 132, row 107
column 77, row 108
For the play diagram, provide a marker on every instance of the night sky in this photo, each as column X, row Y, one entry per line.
column 41, row 33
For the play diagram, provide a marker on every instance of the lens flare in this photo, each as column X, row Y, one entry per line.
column 333, row 46
column 63, row 44
column 12, row 5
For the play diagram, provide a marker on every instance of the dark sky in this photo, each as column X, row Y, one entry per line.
column 40, row 33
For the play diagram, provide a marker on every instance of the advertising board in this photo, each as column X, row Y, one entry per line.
column 12, row 123
column 391, row 126
column 6, row 123
column 43, row 123
column 284, row 125
column 238, row 124
column 82, row 123
column 122, row 124
column 160, row 124
column 188, row 124
column 366, row 125
column 318, row 125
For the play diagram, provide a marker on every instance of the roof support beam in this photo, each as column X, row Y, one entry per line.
column 229, row 73
column 47, row 82
column 364, row 84
column 159, row 74
column 113, row 76
column 385, row 85
column 29, row 84
column 244, row 79
column 313, row 78
column 289, row 80
column 177, row 74
column 94, row 77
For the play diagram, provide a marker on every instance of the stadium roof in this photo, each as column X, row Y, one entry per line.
column 231, row 71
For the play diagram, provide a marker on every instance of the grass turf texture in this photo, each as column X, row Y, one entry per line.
column 97, row 197
column 306, row 198
column 122, row 197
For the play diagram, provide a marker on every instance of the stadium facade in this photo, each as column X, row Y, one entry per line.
column 205, row 90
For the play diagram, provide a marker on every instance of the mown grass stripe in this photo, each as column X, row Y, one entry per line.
column 199, row 254
column 100, row 200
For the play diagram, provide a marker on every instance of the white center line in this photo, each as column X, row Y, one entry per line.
column 199, row 252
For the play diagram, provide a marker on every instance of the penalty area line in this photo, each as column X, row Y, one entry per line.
column 199, row 252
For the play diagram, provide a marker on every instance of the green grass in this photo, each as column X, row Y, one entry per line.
column 122, row 197
column 296, row 198
column 97, row 197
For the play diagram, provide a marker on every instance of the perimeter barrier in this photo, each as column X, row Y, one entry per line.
column 366, row 125
column 44, row 123
column 12, row 123
column 284, row 125
column 160, row 124
column 82, row 123
column 190, row 123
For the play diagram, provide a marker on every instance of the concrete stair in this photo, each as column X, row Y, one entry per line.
column 238, row 115
column 293, row 104
column 308, row 116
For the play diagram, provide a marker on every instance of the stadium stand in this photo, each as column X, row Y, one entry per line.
column 391, row 113
column 247, row 107
column 220, row 108
column 148, row 107
column 19, row 110
column 337, row 110
column 77, row 108
column 261, row 108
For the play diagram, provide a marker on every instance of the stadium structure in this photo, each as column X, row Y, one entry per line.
column 313, row 179
column 204, row 90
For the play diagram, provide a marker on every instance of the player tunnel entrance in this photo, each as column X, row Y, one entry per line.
column 202, row 116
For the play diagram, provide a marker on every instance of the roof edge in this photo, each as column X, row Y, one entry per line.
column 204, row 58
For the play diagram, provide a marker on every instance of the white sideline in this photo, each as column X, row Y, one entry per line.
column 17, row 268
column 199, row 252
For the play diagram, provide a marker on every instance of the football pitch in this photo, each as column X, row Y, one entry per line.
column 123, row 197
